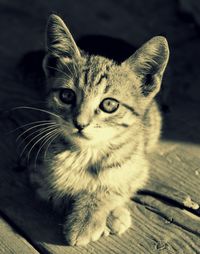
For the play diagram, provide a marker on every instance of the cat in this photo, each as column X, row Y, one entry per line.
column 104, row 120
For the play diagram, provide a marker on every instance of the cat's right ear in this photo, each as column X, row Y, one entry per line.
column 149, row 63
column 60, row 45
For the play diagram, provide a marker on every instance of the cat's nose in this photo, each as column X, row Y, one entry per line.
column 79, row 125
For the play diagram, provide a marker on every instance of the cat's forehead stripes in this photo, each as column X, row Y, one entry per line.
column 85, row 70
column 95, row 79
column 95, row 71
column 102, row 74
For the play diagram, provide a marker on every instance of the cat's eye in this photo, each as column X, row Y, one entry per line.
column 67, row 96
column 109, row 105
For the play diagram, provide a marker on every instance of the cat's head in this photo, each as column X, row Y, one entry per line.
column 96, row 98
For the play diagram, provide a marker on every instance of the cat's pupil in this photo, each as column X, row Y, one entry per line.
column 109, row 105
column 67, row 96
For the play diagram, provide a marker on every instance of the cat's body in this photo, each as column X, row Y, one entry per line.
column 108, row 121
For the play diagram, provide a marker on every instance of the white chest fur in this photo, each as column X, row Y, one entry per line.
column 67, row 173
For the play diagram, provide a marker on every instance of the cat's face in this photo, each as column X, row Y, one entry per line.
column 97, row 100
column 94, row 99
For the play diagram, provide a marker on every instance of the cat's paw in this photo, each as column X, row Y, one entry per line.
column 119, row 220
column 81, row 231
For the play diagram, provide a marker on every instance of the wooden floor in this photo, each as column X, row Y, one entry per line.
column 166, row 214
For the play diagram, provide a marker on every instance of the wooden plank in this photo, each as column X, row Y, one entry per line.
column 12, row 242
column 160, row 235
column 178, row 169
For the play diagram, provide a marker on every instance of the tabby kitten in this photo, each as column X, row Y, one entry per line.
column 107, row 122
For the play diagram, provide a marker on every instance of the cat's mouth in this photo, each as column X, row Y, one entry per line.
column 81, row 134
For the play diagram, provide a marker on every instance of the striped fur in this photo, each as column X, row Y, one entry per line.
column 101, row 170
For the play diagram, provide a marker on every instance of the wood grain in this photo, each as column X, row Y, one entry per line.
column 11, row 242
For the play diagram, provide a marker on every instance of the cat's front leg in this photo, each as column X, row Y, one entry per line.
column 87, row 220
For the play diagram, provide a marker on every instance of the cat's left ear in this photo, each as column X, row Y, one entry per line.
column 59, row 40
column 149, row 63
column 60, row 45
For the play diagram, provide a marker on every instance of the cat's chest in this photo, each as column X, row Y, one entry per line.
column 70, row 170
column 76, row 161
column 68, row 173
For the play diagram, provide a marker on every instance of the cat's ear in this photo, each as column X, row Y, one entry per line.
column 60, row 45
column 59, row 40
column 149, row 63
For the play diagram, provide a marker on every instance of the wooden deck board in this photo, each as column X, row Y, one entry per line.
column 11, row 242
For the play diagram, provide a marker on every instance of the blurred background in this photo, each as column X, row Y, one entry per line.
column 22, row 26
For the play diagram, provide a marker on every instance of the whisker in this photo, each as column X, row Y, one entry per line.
column 41, row 130
column 31, row 123
column 56, row 69
column 62, row 79
column 38, row 135
column 51, row 135
column 75, row 70
column 36, row 109
column 33, row 127
column 69, row 70
column 50, row 50
column 47, row 148
column 29, row 153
